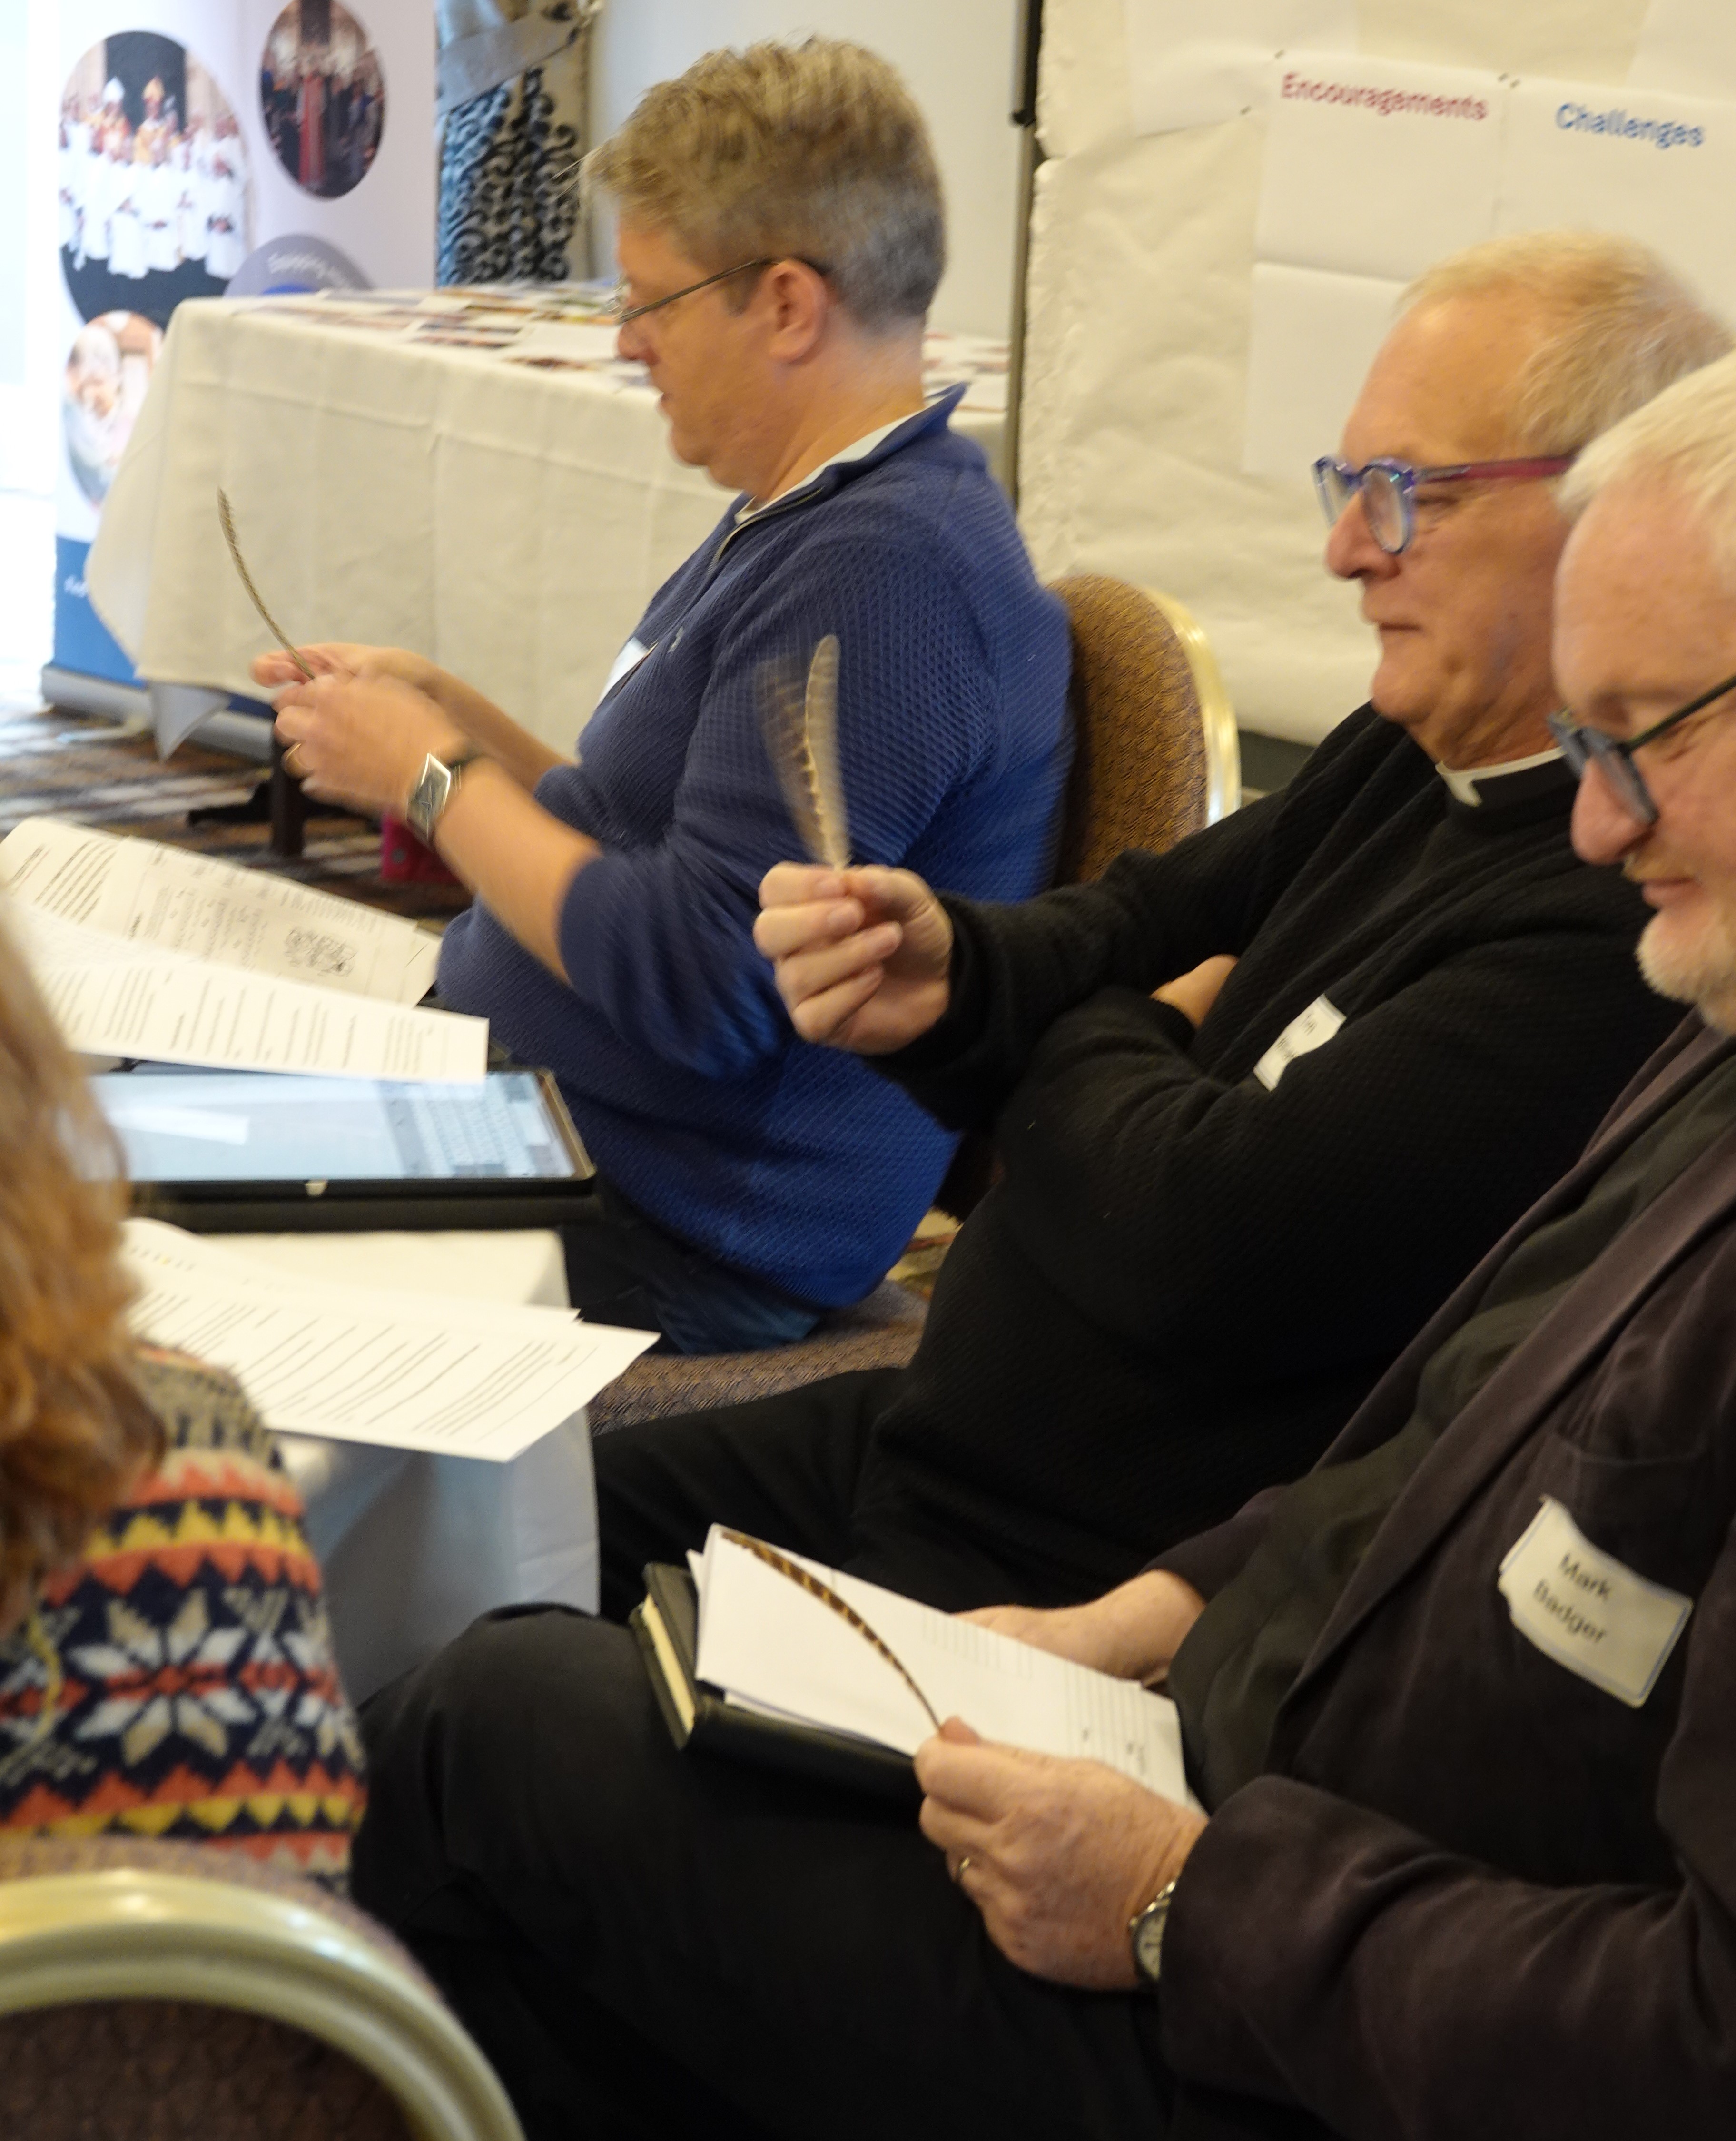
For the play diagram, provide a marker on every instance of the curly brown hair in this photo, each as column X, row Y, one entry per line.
column 74, row 1430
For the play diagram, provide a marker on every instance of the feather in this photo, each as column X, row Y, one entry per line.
column 827, row 1597
column 230, row 536
column 801, row 738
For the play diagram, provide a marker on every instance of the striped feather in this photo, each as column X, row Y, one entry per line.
column 828, row 1597
column 801, row 724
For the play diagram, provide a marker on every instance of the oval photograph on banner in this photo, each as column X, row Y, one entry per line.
column 108, row 370
column 154, row 202
column 322, row 96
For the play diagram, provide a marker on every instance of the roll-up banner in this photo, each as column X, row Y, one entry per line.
column 210, row 148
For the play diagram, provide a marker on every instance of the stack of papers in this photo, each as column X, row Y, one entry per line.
column 460, row 1378
column 143, row 951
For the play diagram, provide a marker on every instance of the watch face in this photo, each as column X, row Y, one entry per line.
column 1149, row 1939
column 428, row 798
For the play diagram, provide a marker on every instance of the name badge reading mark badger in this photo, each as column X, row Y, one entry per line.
column 1307, row 1031
column 1581, row 1607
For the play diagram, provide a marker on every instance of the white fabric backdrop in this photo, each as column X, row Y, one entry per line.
column 1136, row 360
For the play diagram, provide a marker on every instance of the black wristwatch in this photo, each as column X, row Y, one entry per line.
column 436, row 785
column 1145, row 1934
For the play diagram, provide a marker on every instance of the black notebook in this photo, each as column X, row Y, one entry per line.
column 666, row 1623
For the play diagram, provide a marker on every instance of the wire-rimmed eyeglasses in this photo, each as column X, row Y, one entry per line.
column 620, row 313
column 1614, row 754
column 1388, row 489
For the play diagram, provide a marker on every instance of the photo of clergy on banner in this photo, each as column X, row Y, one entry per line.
column 155, row 200
column 322, row 95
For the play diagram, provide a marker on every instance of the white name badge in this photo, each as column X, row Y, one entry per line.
column 1582, row 1608
column 1307, row 1031
column 627, row 659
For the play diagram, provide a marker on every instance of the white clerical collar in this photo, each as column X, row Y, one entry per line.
column 1467, row 785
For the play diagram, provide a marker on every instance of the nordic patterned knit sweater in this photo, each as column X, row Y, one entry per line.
column 670, row 1043
column 1188, row 1279
column 177, row 1680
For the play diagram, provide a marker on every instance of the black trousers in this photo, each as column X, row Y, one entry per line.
column 650, row 1944
column 795, row 1469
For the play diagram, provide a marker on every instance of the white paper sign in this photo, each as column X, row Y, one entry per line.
column 1688, row 45
column 1587, row 1610
column 1180, row 77
column 1378, row 167
column 1656, row 167
column 1314, row 335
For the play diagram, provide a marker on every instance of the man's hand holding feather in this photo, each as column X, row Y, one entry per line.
column 863, row 957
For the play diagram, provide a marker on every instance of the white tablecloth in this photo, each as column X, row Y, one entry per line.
column 505, row 503
column 415, row 1547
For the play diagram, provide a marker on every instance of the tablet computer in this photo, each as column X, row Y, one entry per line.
column 257, row 1152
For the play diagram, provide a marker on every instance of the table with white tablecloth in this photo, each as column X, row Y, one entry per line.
column 472, row 474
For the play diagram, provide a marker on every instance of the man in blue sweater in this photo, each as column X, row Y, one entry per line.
column 780, row 235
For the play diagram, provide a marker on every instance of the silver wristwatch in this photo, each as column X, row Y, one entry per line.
column 1145, row 1933
column 436, row 784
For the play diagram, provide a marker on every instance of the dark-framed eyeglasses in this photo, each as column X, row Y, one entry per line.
column 619, row 313
column 1614, row 754
column 1388, row 489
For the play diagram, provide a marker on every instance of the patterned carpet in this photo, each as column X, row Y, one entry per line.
column 98, row 774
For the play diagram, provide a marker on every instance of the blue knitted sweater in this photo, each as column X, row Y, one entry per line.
column 671, row 1044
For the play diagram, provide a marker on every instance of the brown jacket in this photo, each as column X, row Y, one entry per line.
column 1475, row 1895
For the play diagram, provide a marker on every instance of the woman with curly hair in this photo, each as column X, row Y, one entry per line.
column 166, row 1666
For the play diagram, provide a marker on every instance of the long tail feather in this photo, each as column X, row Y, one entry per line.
column 827, row 1597
column 230, row 536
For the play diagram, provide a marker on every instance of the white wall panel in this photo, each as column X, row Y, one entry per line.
column 1141, row 275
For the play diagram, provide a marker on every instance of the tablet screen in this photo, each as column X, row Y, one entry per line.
column 249, row 1126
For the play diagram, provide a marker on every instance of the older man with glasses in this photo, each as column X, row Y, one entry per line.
column 780, row 233
column 1262, row 1101
column 1460, row 1704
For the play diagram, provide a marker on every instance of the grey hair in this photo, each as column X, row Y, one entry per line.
column 1621, row 327
column 1684, row 441
column 814, row 151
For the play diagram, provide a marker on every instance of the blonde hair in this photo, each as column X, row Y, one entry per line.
column 814, row 151
column 74, row 1428
column 1621, row 327
column 1685, row 441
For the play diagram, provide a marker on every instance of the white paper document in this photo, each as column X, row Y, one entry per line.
column 775, row 1647
column 110, row 998
column 458, row 1378
column 1687, row 45
column 1189, row 65
column 149, row 893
